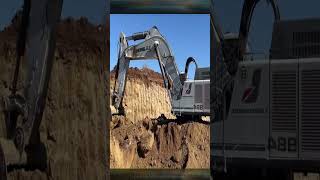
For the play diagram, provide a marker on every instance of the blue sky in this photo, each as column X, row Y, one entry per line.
column 94, row 11
column 229, row 14
column 7, row 10
column 187, row 35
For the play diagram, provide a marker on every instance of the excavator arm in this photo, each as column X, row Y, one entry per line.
column 227, row 53
column 231, row 53
column 153, row 46
column 246, row 17
column 23, row 112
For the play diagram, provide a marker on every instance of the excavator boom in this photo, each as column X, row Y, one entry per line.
column 188, row 98
column 23, row 112
column 153, row 46
column 227, row 52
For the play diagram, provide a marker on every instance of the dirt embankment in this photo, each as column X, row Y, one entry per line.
column 146, row 75
column 144, row 95
column 74, row 124
column 139, row 140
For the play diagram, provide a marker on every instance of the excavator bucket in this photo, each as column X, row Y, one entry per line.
column 9, row 156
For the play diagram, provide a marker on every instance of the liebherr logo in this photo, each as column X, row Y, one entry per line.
column 146, row 48
column 251, row 93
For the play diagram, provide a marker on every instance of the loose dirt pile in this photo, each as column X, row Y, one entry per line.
column 146, row 75
column 74, row 124
column 142, row 141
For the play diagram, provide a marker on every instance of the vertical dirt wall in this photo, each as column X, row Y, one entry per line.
column 74, row 125
column 144, row 95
